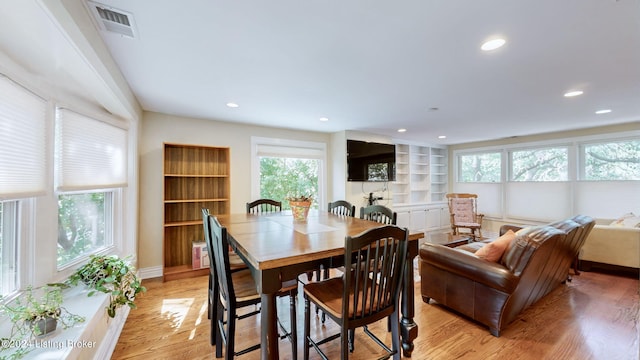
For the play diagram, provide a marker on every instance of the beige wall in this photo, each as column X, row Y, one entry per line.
column 159, row 128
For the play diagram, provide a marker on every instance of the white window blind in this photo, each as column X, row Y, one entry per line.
column 90, row 154
column 23, row 165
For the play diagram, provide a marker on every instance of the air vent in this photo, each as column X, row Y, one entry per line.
column 112, row 20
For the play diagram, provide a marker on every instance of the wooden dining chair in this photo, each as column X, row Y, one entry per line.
column 237, row 290
column 342, row 208
column 366, row 294
column 263, row 206
column 235, row 264
column 379, row 213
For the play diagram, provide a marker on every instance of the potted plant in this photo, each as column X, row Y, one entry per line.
column 300, row 205
column 38, row 311
column 111, row 275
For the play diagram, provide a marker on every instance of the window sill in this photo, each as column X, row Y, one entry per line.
column 96, row 337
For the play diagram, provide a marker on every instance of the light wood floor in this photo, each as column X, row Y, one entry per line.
column 596, row 316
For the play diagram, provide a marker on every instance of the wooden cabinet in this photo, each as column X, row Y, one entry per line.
column 195, row 177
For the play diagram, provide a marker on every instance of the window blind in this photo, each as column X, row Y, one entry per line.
column 90, row 154
column 23, row 164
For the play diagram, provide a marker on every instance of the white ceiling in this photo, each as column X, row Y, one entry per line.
column 377, row 66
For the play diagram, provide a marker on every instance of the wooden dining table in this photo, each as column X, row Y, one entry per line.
column 276, row 248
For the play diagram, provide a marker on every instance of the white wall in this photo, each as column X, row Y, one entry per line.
column 159, row 128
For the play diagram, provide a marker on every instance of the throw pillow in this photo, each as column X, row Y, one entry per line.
column 493, row 251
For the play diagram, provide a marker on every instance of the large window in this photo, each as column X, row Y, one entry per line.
column 482, row 167
column 8, row 246
column 618, row 160
column 550, row 164
column 281, row 177
column 84, row 224
column 285, row 168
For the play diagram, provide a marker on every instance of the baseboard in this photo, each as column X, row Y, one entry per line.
column 150, row 272
column 585, row 265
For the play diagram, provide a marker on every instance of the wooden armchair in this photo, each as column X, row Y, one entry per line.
column 463, row 209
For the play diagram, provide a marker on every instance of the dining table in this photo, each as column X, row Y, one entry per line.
column 277, row 248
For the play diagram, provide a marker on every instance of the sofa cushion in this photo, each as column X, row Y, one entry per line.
column 493, row 251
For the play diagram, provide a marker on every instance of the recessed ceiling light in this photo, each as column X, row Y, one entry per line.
column 402, row 130
column 442, row 137
column 324, row 119
column 492, row 44
column 603, row 111
column 574, row 93
column 232, row 105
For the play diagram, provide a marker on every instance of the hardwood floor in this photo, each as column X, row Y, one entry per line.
column 596, row 316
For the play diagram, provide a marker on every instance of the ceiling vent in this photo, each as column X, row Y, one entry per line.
column 113, row 20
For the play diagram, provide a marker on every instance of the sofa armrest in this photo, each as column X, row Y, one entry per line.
column 465, row 264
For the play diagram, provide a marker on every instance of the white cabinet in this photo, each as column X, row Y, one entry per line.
column 437, row 217
column 412, row 217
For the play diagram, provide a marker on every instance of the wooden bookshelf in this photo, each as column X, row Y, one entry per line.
column 195, row 177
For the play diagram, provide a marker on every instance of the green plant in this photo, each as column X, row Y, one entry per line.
column 111, row 275
column 300, row 198
column 28, row 310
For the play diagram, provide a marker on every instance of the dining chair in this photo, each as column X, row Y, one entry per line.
column 235, row 264
column 342, row 208
column 237, row 290
column 379, row 213
column 366, row 294
column 263, row 206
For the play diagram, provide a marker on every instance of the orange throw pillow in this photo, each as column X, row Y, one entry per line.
column 493, row 251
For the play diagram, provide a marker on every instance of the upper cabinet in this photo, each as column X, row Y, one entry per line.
column 421, row 175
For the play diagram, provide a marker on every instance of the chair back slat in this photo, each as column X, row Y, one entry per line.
column 263, row 206
column 342, row 208
column 377, row 258
column 379, row 213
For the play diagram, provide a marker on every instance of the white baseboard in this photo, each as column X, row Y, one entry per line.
column 150, row 272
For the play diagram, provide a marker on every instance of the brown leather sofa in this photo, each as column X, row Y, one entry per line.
column 493, row 293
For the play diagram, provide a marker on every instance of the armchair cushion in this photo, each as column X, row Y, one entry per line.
column 493, row 251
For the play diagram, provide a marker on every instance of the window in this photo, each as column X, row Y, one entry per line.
column 283, row 177
column 84, row 224
column 550, row 164
column 483, row 167
column 90, row 157
column 616, row 160
column 8, row 246
column 288, row 168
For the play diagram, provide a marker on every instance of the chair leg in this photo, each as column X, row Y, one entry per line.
column 219, row 319
column 346, row 346
column 395, row 335
column 294, row 325
column 307, row 329
column 230, row 336
column 351, row 338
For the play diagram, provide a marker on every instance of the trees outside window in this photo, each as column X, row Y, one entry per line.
column 549, row 164
column 481, row 167
column 83, row 223
column 618, row 160
column 281, row 177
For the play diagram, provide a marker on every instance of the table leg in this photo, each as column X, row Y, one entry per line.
column 269, row 330
column 408, row 327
